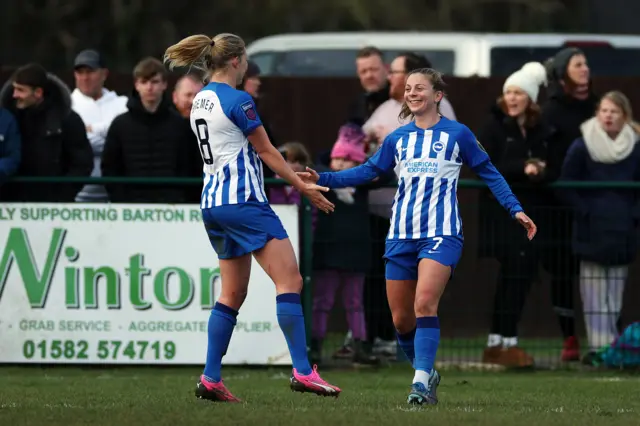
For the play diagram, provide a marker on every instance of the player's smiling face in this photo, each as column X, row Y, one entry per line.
column 419, row 94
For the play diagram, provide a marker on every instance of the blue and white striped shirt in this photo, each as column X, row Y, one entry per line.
column 428, row 164
column 221, row 118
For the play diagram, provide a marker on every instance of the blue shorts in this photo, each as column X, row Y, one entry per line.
column 402, row 256
column 238, row 229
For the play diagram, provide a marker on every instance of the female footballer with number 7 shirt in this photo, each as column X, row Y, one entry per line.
column 425, row 239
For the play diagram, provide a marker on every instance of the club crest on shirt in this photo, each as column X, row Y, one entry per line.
column 437, row 146
column 249, row 110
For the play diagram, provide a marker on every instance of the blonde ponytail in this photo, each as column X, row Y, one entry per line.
column 203, row 52
column 189, row 52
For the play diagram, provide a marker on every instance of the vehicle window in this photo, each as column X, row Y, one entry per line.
column 317, row 63
column 265, row 61
column 603, row 60
column 337, row 63
column 442, row 60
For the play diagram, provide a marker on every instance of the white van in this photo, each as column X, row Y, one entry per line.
column 458, row 54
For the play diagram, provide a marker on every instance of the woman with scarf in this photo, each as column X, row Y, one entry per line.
column 604, row 219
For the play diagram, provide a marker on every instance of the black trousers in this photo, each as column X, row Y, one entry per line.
column 518, row 269
column 563, row 266
column 376, row 307
column 556, row 254
column 517, row 272
column 551, row 247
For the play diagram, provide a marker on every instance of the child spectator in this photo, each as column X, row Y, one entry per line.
column 342, row 249
column 298, row 158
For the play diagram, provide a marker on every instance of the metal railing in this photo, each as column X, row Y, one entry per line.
column 451, row 349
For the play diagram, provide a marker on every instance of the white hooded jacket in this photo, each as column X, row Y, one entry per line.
column 97, row 115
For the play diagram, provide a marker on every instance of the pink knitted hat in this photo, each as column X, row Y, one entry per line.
column 350, row 144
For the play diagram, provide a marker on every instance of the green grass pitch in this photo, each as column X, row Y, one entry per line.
column 70, row 396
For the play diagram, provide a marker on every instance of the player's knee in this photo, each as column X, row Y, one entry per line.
column 404, row 321
column 291, row 284
column 426, row 304
column 234, row 299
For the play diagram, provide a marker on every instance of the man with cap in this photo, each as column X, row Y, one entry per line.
column 98, row 107
column 54, row 142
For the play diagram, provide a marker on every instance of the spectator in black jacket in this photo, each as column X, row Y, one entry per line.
column 515, row 139
column 571, row 102
column 150, row 140
column 372, row 73
column 54, row 140
column 10, row 145
column 186, row 88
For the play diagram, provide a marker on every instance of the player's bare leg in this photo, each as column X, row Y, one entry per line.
column 432, row 280
column 278, row 260
column 400, row 295
column 234, row 274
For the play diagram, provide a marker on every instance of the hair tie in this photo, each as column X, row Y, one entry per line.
column 212, row 42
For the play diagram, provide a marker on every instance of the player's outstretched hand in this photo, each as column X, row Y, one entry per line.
column 314, row 193
column 528, row 224
column 310, row 176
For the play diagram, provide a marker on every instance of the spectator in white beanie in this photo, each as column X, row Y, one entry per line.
column 529, row 78
column 514, row 138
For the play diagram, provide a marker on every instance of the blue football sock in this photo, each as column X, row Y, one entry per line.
column 426, row 343
column 291, row 321
column 221, row 323
column 407, row 344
